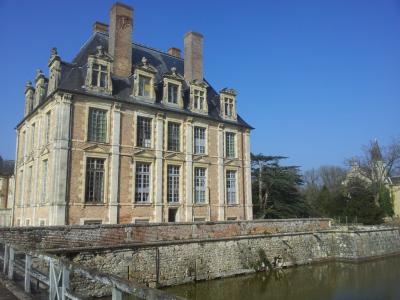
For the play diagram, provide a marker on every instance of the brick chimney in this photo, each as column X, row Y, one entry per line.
column 120, row 39
column 99, row 27
column 174, row 52
column 193, row 56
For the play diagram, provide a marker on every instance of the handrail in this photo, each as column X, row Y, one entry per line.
column 59, row 273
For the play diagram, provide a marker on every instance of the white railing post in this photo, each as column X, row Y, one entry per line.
column 28, row 266
column 6, row 258
column 11, row 263
column 116, row 294
column 65, row 282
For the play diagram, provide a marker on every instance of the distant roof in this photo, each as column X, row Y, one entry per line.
column 6, row 167
column 73, row 78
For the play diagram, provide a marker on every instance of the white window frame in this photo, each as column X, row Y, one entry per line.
column 195, row 126
column 178, row 176
column 235, row 150
column 150, row 196
column 200, row 88
column 83, row 189
column 205, row 184
column 229, row 203
column 151, row 118
column 151, row 75
column 102, row 106
column 180, row 123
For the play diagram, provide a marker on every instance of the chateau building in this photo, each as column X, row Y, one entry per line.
column 126, row 134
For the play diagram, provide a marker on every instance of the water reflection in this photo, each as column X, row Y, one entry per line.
column 377, row 279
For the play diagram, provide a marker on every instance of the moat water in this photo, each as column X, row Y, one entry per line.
column 371, row 280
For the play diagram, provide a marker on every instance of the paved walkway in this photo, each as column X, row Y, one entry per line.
column 6, row 294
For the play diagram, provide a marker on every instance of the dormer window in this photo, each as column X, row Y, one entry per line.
column 99, row 75
column 228, row 107
column 172, row 91
column 198, row 103
column 198, row 97
column 144, row 76
column 228, row 104
column 144, row 86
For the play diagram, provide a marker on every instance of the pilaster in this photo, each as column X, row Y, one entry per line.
column 158, row 193
column 221, row 175
column 114, row 172
column 189, row 170
column 247, row 173
column 60, row 163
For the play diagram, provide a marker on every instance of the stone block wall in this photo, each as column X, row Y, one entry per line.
column 166, row 264
column 114, row 235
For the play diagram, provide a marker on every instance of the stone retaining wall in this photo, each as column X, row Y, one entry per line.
column 111, row 235
column 172, row 263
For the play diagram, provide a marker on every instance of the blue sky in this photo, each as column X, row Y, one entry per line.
column 317, row 79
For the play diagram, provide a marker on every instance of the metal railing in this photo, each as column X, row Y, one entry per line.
column 58, row 278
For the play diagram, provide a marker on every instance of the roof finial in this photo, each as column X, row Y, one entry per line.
column 173, row 70
column 144, row 61
column 53, row 51
column 100, row 50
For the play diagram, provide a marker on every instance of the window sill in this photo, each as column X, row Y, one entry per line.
column 233, row 205
column 106, row 143
column 200, row 204
column 94, row 204
column 142, row 204
column 174, row 204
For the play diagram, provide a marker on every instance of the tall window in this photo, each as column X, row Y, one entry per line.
column 231, row 187
column 199, row 185
column 97, row 125
column 142, row 182
column 33, row 129
column 23, row 142
column 173, row 184
column 144, row 132
column 99, row 75
column 29, row 185
column 144, row 86
column 94, row 180
column 199, row 140
column 173, row 136
column 172, row 93
column 228, row 106
column 47, row 132
column 21, row 187
column 198, row 100
column 44, row 180
column 230, row 144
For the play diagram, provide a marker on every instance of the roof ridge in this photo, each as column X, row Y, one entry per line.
column 144, row 46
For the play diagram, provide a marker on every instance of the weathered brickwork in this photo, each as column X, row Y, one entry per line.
column 114, row 235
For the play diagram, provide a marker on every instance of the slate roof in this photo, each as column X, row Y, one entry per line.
column 73, row 78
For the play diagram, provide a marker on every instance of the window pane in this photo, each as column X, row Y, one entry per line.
column 144, row 86
column 172, row 93
column 97, row 125
column 173, row 136
column 231, row 187
column 142, row 182
column 200, row 185
column 144, row 132
column 47, row 134
column 173, row 184
column 44, row 181
column 94, row 180
column 229, row 144
column 199, row 140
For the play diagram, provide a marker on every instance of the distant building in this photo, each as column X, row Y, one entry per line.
column 6, row 191
column 125, row 133
column 379, row 172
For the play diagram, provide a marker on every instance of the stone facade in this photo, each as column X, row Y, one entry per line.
column 126, row 82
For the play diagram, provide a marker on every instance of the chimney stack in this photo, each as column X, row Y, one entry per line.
column 120, row 39
column 99, row 27
column 193, row 56
column 174, row 52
